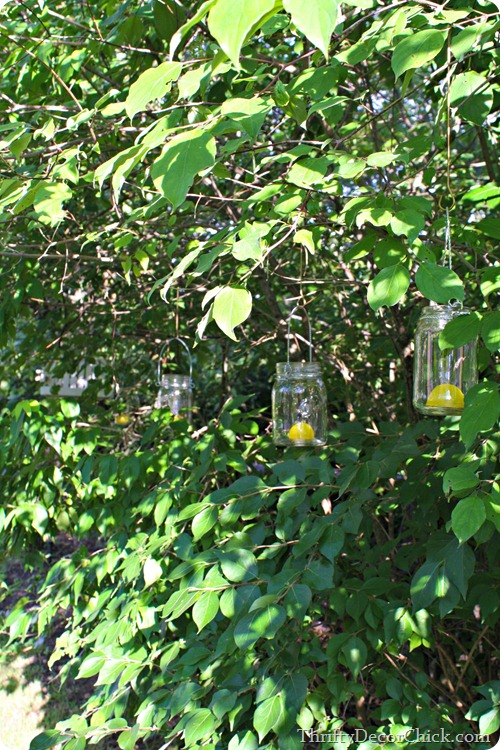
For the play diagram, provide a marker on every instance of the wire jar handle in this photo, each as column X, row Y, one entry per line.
column 299, row 307
column 167, row 344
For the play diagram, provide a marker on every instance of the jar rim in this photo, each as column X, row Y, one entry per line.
column 455, row 309
column 169, row 378
column 296, row 367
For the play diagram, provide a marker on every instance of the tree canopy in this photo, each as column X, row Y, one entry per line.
column 217, row 171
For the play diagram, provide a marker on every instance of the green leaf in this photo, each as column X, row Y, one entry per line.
column 270, row 715
column 19, row 145
column 488, row 194
column 459, row 479
column 331, row 107
column 332, row 542
column 222, row 702
column 79, row 743
column 249, row 114
column 355, row 654
column 408, row 223
column 481, row 412
column 126, row 741
column 91, row 666
column 490, row 281
column 490, row 331
column 489, row 227
column 459, row 560
column 231, row 307
column 381, row 158
column 232, row 22
column 288, row 202
column 205, row 609
column 467, row 517
column 178, row 603
column 48, row 202
column 438, row 283
column 297, row 601
column 307, row 172
column 460, row 331
column 280, row 94
column 297, row 110
column 295, row 690
column 492, row 512
column 247, row 741
column 183, row 157
column 249, row 247
column 238, row 564
column 260, row 623
column 468, row 38
column 168, row 16
column 472, row 95
column 305, row 237
column 362, row 248
column 316, row 20
column 490, row 722
column 388, row 286
column 152, row 571
column 416, row 50
column 388, row 252
column 357, row 52
column 204, row 521
column 123, row 167
column 189, row 83
column 351, row 167
column 46, row 740
column 427, row 584
column 185, row 28
column 152, row 84
column 200, row 724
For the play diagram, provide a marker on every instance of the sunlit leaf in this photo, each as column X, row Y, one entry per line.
column 388, row 286
column 231, row 307
column 416, row 50
column 231, row 23
column 467, row 517
column 316, row 20
column 153, row 84
column 473, row 96
column 438, row 283
column 460, row 330
column 183, row 158
column 481, row 412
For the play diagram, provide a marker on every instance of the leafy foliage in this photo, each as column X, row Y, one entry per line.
column 198, row 170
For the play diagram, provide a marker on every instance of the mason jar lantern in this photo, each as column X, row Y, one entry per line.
column 299, row 401
column 441, row 377
column 175, row 390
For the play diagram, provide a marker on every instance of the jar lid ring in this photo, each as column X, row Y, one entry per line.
column 457, row 304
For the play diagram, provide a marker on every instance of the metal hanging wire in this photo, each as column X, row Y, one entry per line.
column 450, row 200
column 298, row 307
column 167, row 345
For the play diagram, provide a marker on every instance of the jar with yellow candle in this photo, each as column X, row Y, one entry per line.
column 441, row 377
column 299, row 405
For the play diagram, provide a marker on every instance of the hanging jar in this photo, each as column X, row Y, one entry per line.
column 299, row 401
column 441, row 377
column 175, row 390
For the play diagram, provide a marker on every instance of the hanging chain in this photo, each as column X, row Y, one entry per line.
column 177, row 312
column 450, row 200
column 447, row 240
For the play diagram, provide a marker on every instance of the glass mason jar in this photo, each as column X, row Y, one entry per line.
column 175, row 394
column 299, row 405
column 441, row 377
